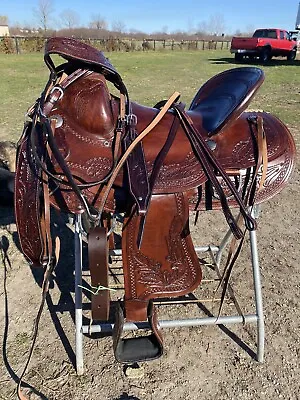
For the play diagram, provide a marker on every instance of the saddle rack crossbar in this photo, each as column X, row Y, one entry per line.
column 216, row 253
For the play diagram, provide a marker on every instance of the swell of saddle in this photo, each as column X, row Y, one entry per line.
column 86, row 106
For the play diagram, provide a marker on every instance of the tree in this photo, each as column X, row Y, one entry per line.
column 215, row 25
column 202, row 28
column 69, row 18
column 98, row 22
column 118, row 26
column 165, row 29
column 43, row 13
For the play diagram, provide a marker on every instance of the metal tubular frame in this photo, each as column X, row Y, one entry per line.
column 257, row 318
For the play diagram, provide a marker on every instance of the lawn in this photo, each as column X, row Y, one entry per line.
column 149, row 77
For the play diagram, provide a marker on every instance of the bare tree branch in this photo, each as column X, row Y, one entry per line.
column 118, row 26
column 43, row 13
column 98, row 22
column 69, row 18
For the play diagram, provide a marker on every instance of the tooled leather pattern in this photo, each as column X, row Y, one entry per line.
column 180, row 271
column 73, row 49
column 234, row 146
column 175, row 176
column 27, row 203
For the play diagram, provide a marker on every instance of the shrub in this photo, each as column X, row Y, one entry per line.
column 7, row 45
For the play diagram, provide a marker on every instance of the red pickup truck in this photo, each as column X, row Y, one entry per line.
column 264, row 44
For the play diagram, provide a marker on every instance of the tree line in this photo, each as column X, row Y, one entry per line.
column 68, row 24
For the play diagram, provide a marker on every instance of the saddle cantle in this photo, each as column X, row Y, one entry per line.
column 88, row 151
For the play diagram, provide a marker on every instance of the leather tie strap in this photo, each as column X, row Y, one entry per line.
column 175, row 96
column 45, row 290
column 210, row 164
column 136, row 167
column 98, row 264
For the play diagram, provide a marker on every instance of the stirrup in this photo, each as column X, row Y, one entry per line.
column 136, row 349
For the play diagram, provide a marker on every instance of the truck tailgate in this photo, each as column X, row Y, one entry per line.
column 244, row 43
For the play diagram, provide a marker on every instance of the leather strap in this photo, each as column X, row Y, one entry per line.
column 141, row 136
column 166, row 147
column 158, row 164
column 262, row 159
column 210, row 165
column 136, row 168
column 98, row 264
column 57, row 91
column 45, row 289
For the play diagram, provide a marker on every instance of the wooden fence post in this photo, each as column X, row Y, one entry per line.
column 17, row 45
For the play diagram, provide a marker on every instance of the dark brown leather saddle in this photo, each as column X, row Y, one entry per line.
column 86, row 151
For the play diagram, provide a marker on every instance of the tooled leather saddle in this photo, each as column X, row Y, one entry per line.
column 86, row 151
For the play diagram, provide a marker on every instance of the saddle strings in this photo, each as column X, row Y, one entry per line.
column 210, row 164
column 173, row 98
column 249, row 199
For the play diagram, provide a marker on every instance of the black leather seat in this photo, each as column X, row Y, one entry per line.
column 225, row 96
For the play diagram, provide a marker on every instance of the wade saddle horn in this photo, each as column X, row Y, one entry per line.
column 87, row 151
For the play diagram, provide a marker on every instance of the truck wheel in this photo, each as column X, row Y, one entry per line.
column 265, row 55
column 292, row 55
column 238, row 57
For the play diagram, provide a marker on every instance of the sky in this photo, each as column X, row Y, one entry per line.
column 170, row 16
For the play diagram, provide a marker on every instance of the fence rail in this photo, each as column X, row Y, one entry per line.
column 18, row 44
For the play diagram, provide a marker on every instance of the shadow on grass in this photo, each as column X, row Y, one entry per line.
column 272, row 63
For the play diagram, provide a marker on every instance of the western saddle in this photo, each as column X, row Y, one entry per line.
column 86, row 151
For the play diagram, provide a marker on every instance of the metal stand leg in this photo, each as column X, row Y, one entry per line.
column 78, row 296
column 258, row 297
column 232, row 319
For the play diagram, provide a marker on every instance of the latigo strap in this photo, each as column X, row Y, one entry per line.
column 98, row 264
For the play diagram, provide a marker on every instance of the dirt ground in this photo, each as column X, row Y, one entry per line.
column 207, row 362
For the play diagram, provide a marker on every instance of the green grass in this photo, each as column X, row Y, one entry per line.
column 149, row 77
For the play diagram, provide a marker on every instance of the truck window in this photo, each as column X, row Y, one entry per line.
column 265, row 33
column 260, row 33
column 272, row 34
column 281, row 35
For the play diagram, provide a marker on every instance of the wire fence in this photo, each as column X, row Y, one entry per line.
column 20, row 45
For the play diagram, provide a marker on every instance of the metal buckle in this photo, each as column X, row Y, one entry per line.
column 61, row 93
column 131, row 119
column 120, row 124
